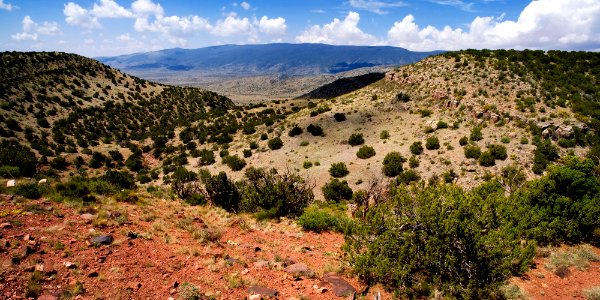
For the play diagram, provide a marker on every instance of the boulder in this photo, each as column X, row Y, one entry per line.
column 10, row 183
column 105, row 239
column 299, row 270
column 339, row 285
column 259, row 292
column 564, row 132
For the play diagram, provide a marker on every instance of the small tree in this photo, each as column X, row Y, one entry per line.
column 336, row 190
column 356, row 139
column 416, row 148
column 392, row 164
column 315, row 130
column 339, row 117
column 275, row 143
column 206, row 157
column 365, row 152
column 338, row 170
column 295, row 131
column 476, row 134
column 472, row 152
column 432, row 143
column 486, row 159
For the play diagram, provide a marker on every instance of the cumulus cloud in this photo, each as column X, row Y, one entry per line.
column 174, row 28
column 245, row 5
column 543, row 24
column 6, row 6
column 338, row 32
column 232, row 25
column 79, row 16
column 110, row 9
column 466, row 6
column 31, row 30
column 375, row 6
column 274, row 26
column 144, row 8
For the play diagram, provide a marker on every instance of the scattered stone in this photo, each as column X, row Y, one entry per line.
column 10, row 183
column 133, row 235
column 340, row 286
column 564, row 132
column 29, row 250
column 231, row 260
column 105, row 239
column 93, row 274
column 134, row 285
column 42, row 181
column 299, row 270
column 261, row 264
column 47, row 297
column 70, row 265
column 5, row 225
column 259, row 292
column 87, row 217
column 39, row 267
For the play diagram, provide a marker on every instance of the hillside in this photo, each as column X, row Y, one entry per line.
column 480, row 163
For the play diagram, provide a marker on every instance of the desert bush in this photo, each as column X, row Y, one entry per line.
column 59, row 163
column 221, row 191
column 121, row 179
column 505, row 140
column 407, row 177
column 498, row 151
column 413, row 162
column 16, row 155
column 339, row 117
column 365, row 152
column 463, row 141
column 247, row 153
column 384, row 135
column 295, row 131
column 234, row 162
column 338, row 170
column 275, row 143
column 28, row 190
column 567, row 143
column 392, row 164
column 416, row 148
column 9, row 171
column 476, row 134
column 472, row 152
column 206, row 157
column 441, row 124
column 315, row 130
column 486, row 159
column 356, row 139
column 336, row 190
column 274, row 195
column 544, row 153
column 432, row 143
column 324, row 217
column 307, row 164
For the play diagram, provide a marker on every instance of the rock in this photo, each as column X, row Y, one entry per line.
column 261, row 264
column 547, row 133
column 10, row 183
column 340, row 286
column 105, row 239
column 70, row 265
column 564, row 132
column 299, row 269
column 42, row 181
column 47, row 297
column 259, row 292
column 5, row 226
column 87, row 217
column 93, row 274
column 134, row 285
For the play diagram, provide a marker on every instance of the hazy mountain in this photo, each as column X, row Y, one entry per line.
column 266, row 59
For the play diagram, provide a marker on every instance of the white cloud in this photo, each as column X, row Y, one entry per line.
column 232, row 25
column 174, row 28
column 345, row 32
column 543, row 24
column 6, row 6
column 274, row 26
column 457, row 3
column 245, row 5
column 375, row 6
column 144, row 8
column 31, row 30
column 110, row 9
column 77, row 15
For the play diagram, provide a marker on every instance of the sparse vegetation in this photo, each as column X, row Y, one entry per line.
column 365, row 152
column 338, row 170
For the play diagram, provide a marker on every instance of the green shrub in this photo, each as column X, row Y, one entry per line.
column 336, row 190
column 425, row 112
column 384, row 135
column 567, row 143
column 234, row 162
column 476, row 134
column 472, row 151
column 413, row 162
column 356, row 139
column 307, row 164
column 544, row 153
column 463, row 141
column 206, row 157
column 16, row 155
column 432, row 143
column 392, row 164
column 222, row 191
column 416, row 148
column 121, row 179
column 315, row 130
column 330, row 217
column 505, row 140
column 524, row 141
column 449, row 176
column 339, row 117
column 9, row 171
column 295, row 131
column 338, row 170
column 365, row 152
column 253, row 145
column 441, row 125
column 59, row 163
column 274, row 195
column 223, row 153
column 486, row 159
column 264, row 136
column 498, row 151
column 407, row 177
column 275, row 143
column 28, row 190
column 247, row 153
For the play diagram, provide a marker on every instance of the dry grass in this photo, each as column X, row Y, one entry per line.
column 578, row 256
column 592, row 293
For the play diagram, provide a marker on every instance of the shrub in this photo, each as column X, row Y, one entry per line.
column 365, row 152
column 247, row 153
column 234, row 162
column 253, row 145
column 315, row 130
column 413, row 162
column 432, row 143
column 336, row 190
column 295, row 131
column 338, row 170
column 122, row 179
column 134, row 163
column 356, row 139
column 543, row 155
column 472, row 152
column 476, row 134
column 416, row 148
column 392, row 164
column 264, row 136
column 441, row 125
column 407, row 177
column 486, row 159
column 449, row 176
column 16, row 155
column 524, row 141
column 28, row 190
column 505, row 140
column 307, row 164
column 339, row 117
column 223, row 153
column 331, row 217
column 567, row 143
column 9, row 171
column 384, row 135
column 59, row 163
column 206, row 157
column 498, row 151
column 221, row 191
column 463, row 141
column 275, row 143
column 425, row 112
column 275, row 195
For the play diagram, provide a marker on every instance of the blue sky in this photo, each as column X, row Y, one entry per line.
column 111, row 27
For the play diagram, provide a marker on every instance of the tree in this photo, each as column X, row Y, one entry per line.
column 336, row 190
column 338, row 170
column 221, row 191
column 392, row 164
column 432, row 143
column 356, row 139
column 315, row 130
column 12, row 153
column 416, row 148
column 365, row 152
column 476, row 134
column 275, row 143
column 295, row 131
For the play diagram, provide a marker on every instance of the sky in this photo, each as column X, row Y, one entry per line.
column 113, row 27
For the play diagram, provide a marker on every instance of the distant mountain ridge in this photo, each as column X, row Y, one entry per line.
column 265, row 59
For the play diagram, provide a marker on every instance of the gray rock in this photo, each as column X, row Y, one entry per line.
column 105, row 239
column 262, row 292
column 299, row 269
column 340, row 286
column 564, row 132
